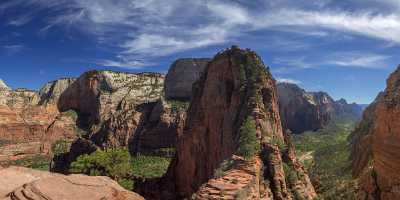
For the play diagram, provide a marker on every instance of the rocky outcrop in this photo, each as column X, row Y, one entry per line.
column 375, row 145
column 302, row 111
column 235, row 86
column 26, row 184
column 181, row 76
column 121, row 110
column 25, row 120
column 51, row 92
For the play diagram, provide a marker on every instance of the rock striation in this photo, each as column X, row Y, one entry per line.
column 375, row 145
column 302, row 111
column 116, row 109
column 181, row 76
column 18, row 183
column 235, row 86
column 24, row 119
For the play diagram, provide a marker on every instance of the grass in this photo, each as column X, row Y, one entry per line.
column 329, row 165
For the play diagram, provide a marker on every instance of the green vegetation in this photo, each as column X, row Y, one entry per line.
column 248, row 141
column 325, row 155
column 59, row 147
column 290, row 174
column 178, row 106
column 120, row 166
column 150, row 166
column 39, row 162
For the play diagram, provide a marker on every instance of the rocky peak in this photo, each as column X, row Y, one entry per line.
column 181, row 76
column 234, row 87
column 51, row 91
column 301, row 110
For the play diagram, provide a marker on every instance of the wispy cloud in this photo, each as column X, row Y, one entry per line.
column 360, row 60
column 143, row 30
column 288, row 80
column 12, row 49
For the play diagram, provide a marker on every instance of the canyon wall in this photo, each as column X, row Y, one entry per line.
column 375, row 145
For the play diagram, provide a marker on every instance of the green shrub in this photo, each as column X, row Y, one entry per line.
column 120, row 166
column 114, row 163
column 150, row 166
column 59, row 147
column 249, row 144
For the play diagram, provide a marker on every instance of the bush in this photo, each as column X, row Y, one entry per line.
column 150, row 166
column 249, row 144
column 115, row 164
column 59, row 147
column 120, row 166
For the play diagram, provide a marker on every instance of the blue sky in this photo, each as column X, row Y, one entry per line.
column 346, row 48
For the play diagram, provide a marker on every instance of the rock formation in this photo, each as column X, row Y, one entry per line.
column 25, row 120
column 18, row 183
column 181, row 76
column 301, row 111
column 121, row 110
column 235, row 86
column 375, row 145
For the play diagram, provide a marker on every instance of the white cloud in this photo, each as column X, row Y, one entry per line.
column 12, row 49
column 288, row 80
column 146, row 29
column 360, row 60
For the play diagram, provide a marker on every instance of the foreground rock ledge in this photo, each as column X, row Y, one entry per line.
column 18, row 183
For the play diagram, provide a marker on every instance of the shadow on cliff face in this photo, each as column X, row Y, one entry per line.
column 234, row 87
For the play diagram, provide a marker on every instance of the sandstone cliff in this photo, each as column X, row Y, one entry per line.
column 301, row 110
column 181, row 76
column 375, row 145
column 118, row 109
column 26, row 184
column 235, row 86
column 25, row 120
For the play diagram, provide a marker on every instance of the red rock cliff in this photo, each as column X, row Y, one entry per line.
column 235, row 85
column 376, row 145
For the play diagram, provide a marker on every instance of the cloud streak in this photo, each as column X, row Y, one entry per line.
column 144, row 30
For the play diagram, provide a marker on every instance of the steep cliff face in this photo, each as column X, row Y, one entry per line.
column 120, row 110
column 301, row 110
column 106, row 103
column 376, row 145
column 25, row 120
column 235, row 86
column 181, row 76
column 51, row 92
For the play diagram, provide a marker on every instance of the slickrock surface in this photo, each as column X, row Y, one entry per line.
column 234, row 86
column 375, row 143
column 18, row 183
column 181, row 76
column 302, row 111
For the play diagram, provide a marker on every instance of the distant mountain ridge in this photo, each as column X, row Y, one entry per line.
column 302, row 111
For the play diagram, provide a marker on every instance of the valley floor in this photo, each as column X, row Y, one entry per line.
column 325, row 155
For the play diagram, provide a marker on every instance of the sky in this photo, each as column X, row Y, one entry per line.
column 346, row 48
